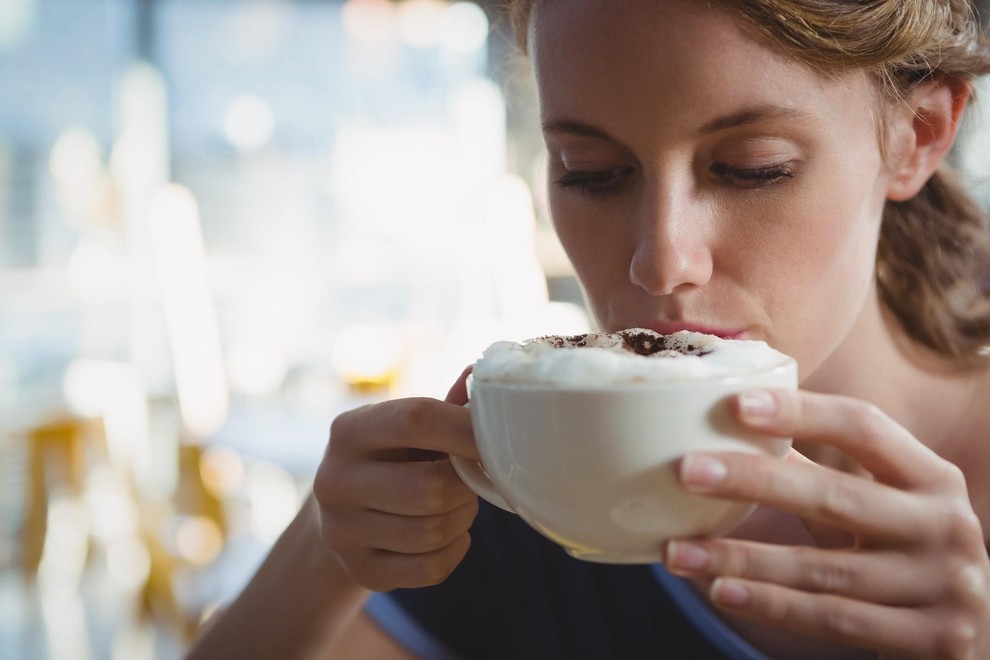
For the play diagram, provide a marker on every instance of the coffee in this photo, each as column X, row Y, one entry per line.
column 580, row 435
column 599, row 358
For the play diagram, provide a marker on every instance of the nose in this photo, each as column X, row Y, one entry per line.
column 673, row 251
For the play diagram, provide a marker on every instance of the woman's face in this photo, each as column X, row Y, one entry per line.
column 699, row 179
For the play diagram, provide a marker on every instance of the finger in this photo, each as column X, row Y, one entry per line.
column 826, row 536
column 410, row 489
column 859, row 429
column 407, row 534
column 877, row 577
column 458, row 392
column 796, row 456
column 905, row 632
column 417, row 423
column 381, row 570
column 810, row 491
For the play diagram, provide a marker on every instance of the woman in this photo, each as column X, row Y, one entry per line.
column 767, row 169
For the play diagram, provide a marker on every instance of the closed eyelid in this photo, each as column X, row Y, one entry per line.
column 757, row 142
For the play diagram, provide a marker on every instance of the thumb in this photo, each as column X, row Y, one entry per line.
column 458, row 391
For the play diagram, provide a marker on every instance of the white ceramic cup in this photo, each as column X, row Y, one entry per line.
column 593, row 468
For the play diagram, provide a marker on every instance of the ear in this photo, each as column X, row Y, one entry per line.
column 925, row 130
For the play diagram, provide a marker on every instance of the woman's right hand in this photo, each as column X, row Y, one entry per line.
column 392, row 509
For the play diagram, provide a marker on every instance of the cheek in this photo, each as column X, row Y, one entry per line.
column 599, row 245
column 827, row 267
column 594, row 236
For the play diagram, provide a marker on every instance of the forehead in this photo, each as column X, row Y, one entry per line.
column 636, row 55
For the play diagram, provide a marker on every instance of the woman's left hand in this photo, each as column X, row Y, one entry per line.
column 914, row 581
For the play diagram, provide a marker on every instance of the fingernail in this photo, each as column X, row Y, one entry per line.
column 729, row 593
column 702, row 472
column 682, row 555
column 757, row 406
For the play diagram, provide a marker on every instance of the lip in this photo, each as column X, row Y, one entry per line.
column 670, row 327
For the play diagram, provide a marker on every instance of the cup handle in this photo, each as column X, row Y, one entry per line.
column 475, row 477
column 472, row 474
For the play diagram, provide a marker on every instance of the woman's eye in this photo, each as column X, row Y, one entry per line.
column 755, row 177
column 596, row 183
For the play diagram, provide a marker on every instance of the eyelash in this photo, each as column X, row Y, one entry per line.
column 757, row 177
column 595, row 183
column 609, row 182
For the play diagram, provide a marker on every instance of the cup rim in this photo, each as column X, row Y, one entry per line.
column 788, row 364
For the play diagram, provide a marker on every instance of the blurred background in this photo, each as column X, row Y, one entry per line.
column 222, row 223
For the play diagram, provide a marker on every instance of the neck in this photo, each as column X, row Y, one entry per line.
column 940, row 403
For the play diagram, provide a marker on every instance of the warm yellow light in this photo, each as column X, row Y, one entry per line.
column 367, row 355
column 222, row 471
column 198, row 540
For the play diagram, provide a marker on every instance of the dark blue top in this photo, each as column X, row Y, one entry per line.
column 517, row 595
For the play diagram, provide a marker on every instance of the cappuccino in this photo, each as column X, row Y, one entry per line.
column 599, row 358
column 580, row 435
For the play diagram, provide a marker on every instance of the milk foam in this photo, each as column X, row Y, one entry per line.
column 629, row 356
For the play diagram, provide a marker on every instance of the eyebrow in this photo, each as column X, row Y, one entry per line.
column 574, row 128
column 748, row 116
column 751, row 116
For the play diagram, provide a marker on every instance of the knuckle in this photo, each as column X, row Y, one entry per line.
column 955, row 639
column 366, row 572
column 325, row 485
column 953, row 476
column 839, row 499
column 754, row 479
column 867, row 418
column 731, row 561
column 738, row 560
column 435, row 569
column 968, row 584
column 411, row 414
column 438, row 572
column 843, row 623
column 961, row 526
column 831, row 576
column 432, row 493
column 779, row 611
column 341, row 428
column 335, row 534
column 434, row 531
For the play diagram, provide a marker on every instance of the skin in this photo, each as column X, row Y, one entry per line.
column 688, row 199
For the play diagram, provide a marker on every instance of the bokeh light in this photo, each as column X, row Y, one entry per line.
column 249, row 122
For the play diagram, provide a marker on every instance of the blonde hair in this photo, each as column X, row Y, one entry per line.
column 933, row 257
